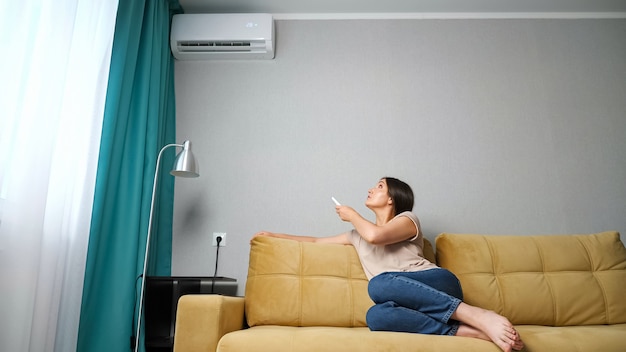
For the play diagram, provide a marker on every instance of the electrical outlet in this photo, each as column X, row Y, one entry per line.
column 219, row 234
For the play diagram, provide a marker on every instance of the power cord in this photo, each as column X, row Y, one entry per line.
column 218, row 239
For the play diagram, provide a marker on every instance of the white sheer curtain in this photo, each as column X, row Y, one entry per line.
column 53, row 76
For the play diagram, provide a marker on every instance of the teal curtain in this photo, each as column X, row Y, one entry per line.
column 139, row 119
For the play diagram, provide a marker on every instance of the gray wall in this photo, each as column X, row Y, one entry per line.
column 501, row 126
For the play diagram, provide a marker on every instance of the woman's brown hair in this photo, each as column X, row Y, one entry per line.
column 401, row 194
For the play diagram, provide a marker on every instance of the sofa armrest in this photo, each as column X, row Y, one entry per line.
column 202, row 320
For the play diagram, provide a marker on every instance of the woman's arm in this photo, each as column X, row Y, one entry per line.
column 400, row 229
column 337, row 239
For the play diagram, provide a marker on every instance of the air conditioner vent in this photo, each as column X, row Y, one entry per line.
column 205, row 44
column 220, row 46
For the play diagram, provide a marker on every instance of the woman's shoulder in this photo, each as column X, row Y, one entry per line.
column 416, row 221
column 410, row 215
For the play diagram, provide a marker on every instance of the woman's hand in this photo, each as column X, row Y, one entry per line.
column 345, row 213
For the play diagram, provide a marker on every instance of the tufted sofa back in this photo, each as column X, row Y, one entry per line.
column 555, row 280
column 304, row 284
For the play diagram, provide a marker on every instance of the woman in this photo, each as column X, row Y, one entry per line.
column 410, row 293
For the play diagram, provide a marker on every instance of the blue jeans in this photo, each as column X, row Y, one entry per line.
column 418, row 302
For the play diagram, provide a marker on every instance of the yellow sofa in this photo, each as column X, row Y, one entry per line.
column 563, row 293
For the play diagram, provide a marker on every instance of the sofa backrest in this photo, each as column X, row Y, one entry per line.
column 555, row 280
column 306, row 284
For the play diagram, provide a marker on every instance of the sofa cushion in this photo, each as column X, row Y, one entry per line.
column 557, row 280
column 335, row 339
column 605, row 338
column 304, row 284
column 307, row 284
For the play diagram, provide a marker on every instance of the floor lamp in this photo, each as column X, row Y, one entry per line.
column 184, row 166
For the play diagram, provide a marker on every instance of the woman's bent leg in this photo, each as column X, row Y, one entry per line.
column 389, row 316
column 406, row 289
column 430, row 301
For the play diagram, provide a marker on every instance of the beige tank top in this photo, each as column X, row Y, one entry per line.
column 407, row 255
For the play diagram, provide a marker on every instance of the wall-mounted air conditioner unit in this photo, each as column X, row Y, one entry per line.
column 222, row 36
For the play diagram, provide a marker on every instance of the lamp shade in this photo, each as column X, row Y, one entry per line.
column 185, row 164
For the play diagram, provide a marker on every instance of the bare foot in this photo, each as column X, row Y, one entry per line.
column 499, row 330
column 481, row 323
column 470, row 331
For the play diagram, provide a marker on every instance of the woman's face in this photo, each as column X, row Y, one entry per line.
column 378, row 196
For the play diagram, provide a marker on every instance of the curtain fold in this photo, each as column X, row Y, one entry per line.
column 139, row 119
column 54, row 78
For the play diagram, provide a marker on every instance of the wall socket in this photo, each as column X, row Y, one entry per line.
column 216, row 235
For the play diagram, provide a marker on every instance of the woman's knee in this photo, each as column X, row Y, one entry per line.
column 377, row 317
column 454, row 286
column 377, row 287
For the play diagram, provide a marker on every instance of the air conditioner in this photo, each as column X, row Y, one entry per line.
column 222, row 36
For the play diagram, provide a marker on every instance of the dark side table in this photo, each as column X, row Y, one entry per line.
column 161, row 300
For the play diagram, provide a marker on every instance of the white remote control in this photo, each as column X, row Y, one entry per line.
column 335, row 200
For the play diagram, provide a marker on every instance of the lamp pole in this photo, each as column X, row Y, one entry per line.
column 184, row 166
